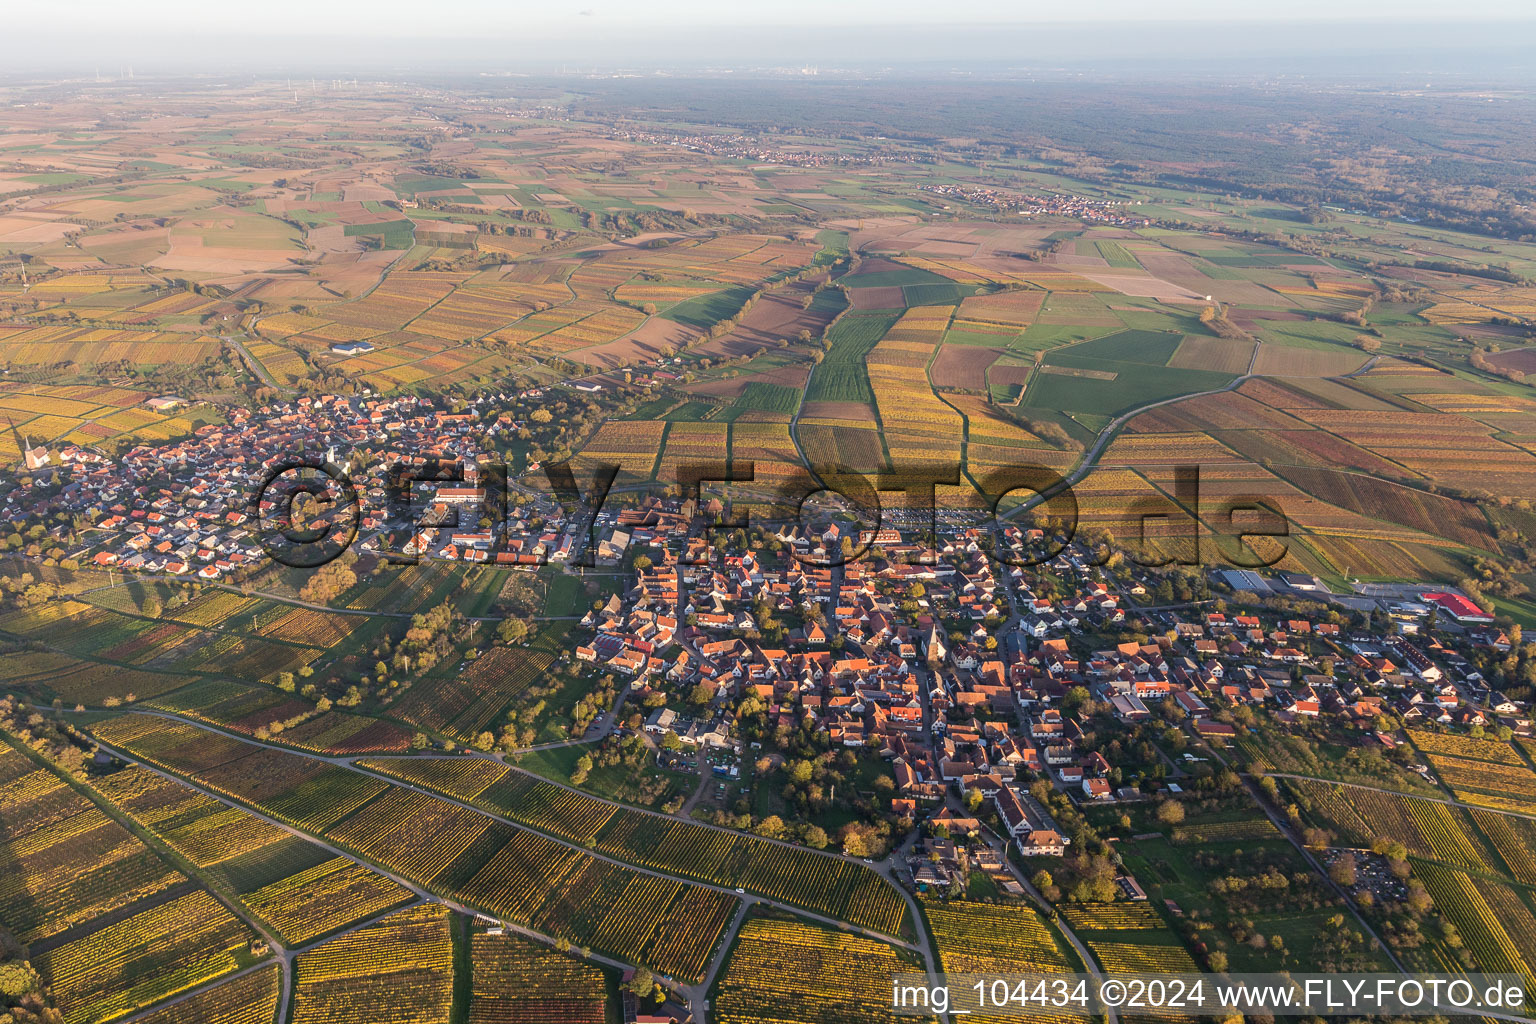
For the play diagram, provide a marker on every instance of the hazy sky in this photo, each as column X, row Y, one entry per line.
column 346, row 37
column 469, row 18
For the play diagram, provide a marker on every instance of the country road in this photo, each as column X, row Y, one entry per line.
column 422, row 894
column 253, row 363
column 1090, row 458
column 1284, row 827
column 696, row 994
column 1447, row 801
column 349, row 763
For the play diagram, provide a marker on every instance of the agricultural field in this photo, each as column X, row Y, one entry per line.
column 1495, row 920
column 66, row 861
column 587, row 901
column 200, row 280
column 499, row 789
column 789, row 972
column 1484, row 842
column 515, row 979
column 398, row 970
column 1482, row 772
column 815, row 881
column 200, row 828
column 322, row 899
column 990, row 939
column 828, row 885
column 249, row 999
column 450, row 849
column 297, row 790
column 128, row 656
column 1106, row 917
column 467, row 702
column 58, row 416
column 137, row 960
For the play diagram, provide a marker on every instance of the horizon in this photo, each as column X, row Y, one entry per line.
column 1487, row 40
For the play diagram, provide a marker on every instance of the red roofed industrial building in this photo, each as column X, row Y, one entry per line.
column 1459, row 608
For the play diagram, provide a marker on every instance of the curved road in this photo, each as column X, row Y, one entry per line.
column 1090, row 458
column 253, row 363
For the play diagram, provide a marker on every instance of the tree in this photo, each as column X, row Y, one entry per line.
column 1170, row 812
column 816, row 837
column 582, row 770
column 512, row 630
column 1218, row 961
column 641, row 983
column 331, row 579
column 1343, row 870
column 771, row 827
column 1075, row 698
column 861, row 840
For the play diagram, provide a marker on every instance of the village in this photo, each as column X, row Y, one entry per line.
column 958, row 682
column 1003, row 201
column 198, row 507
column 973, row 683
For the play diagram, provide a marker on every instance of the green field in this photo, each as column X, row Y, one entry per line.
column 1264, row 258
column 703, row 311
column 1145, row 384
column 1116, row 256
column 1151, row 348
column 833, row 245
column 895, row 279
column 758, row 396
column 409, row 186
column 946, row 294
column 397, row 234
column 841, row 376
